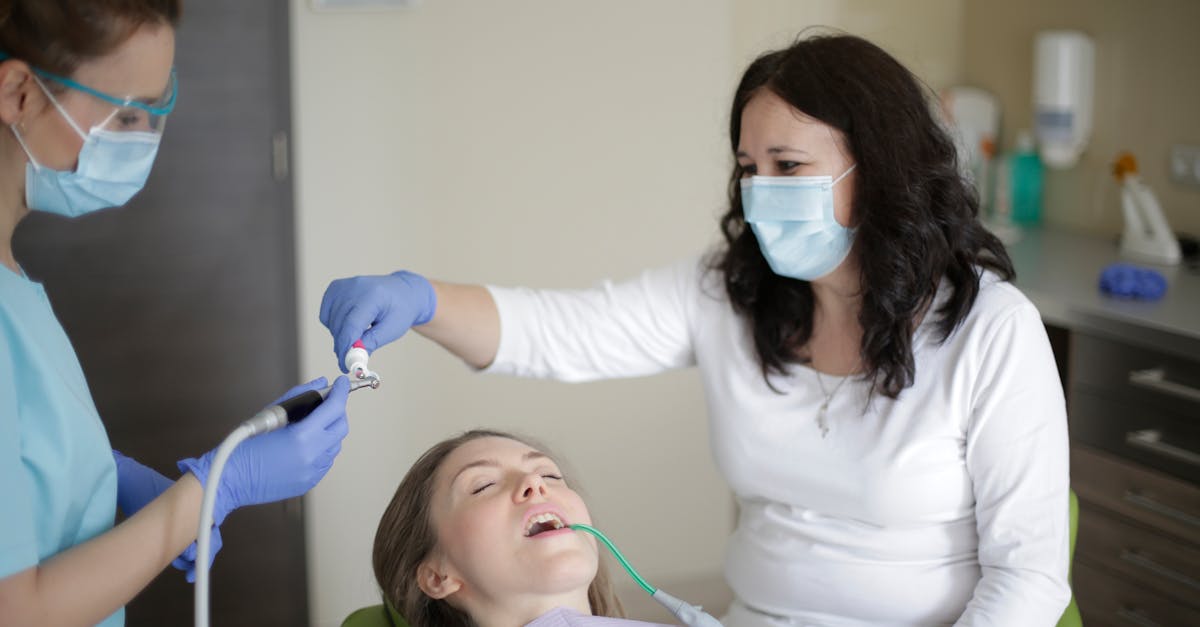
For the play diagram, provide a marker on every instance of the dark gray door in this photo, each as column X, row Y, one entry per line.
column 182, row 305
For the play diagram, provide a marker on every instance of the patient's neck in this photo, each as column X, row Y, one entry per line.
column 520, row 611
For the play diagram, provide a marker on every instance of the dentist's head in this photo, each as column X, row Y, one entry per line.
column 85, row 88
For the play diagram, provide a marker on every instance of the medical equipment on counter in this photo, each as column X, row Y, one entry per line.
column 975, row 116
column 1063, row 70
column 1147, row 236
column 274, row 417
column 690, row 615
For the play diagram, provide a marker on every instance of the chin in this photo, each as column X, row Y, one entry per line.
column 565, row 572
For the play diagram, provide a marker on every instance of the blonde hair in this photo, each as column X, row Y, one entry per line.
column 406, row 537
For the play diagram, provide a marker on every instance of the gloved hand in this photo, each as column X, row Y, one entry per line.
column 283, row 463
column 137, row 485
column 377, row 309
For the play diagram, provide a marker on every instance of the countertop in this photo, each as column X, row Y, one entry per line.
column 1060, row 270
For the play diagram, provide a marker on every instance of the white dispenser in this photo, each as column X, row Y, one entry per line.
column 1147, row 237
column 1064, row 69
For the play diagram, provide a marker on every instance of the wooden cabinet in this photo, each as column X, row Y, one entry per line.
column 1135, row 466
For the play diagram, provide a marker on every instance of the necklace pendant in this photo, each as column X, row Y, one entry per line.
column 821, row 424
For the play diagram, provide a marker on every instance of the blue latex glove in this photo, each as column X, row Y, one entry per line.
column 1130, row 281
column 284, row 463
column 377, row 309
column 137, row 485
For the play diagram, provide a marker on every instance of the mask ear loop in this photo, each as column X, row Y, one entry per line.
column 843, row 175
column 63, row 112
column 20, row 140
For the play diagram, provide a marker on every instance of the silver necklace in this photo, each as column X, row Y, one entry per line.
column 824, row 409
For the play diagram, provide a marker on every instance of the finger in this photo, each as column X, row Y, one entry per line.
column 316, row 384
column 370, row 341
column 322, row 463
column 351, row 328
column 327, row 301
column 348, row 299
column 363, row 323
column 330, row 410
column 338, row 429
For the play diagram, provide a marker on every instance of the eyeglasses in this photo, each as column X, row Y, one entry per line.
column 130, row 114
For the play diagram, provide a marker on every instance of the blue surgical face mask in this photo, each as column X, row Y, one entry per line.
column 112, row 167
column 792, row 217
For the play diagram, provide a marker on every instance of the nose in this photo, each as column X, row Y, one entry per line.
column 532, row 485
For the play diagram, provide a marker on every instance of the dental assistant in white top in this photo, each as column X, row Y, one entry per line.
column 884, row 403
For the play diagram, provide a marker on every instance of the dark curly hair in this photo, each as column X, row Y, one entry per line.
column 917, row 219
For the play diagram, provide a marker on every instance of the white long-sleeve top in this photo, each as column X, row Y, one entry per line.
column 948, row 505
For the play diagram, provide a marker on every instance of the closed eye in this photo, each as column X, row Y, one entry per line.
column 483, row 487
column 555, row 477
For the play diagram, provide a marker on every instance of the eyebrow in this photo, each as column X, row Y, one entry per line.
column 775, row 150
column 495, row 464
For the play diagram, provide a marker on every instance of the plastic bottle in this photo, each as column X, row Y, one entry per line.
column 1025, row 181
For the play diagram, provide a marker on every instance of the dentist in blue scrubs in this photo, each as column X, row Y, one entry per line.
column 85, row 90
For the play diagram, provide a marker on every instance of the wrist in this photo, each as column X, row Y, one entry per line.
column 420, row 285
column 198, row 469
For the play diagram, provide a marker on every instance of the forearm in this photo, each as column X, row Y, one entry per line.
column 466, row 323
column 84, row 584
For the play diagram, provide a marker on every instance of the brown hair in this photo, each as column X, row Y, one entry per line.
column 406, row 537
column 58, row 35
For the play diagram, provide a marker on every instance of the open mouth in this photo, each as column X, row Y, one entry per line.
column 542, row 523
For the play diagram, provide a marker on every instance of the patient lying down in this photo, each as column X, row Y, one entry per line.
column 476, row 535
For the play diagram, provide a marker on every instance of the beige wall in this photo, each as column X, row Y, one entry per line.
column 1147, row 94
column 925, row 35
column 544, row 143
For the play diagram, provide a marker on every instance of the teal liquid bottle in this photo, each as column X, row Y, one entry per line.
column 1025, row 181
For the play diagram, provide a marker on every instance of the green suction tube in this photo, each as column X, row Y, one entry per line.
column 617, row 554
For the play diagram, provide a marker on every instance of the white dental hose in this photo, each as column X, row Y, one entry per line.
column 204, row 533
column 269, row 419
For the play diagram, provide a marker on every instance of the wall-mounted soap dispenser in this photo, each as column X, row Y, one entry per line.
column 1063, row 77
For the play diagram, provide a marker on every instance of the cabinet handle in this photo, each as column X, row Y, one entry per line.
column 1152, row 440
column 1162, row 509
column 1145, row 563
column 1156, row 379
column 1135, row 616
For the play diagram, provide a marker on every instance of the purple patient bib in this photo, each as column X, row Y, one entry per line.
column 562, row 617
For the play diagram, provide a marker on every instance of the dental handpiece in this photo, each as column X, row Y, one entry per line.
column 298, row 407
column 281, row 414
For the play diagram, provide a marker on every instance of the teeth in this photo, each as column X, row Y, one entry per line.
column 544, row 519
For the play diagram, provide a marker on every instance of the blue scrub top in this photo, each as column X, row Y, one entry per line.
column 58, row 481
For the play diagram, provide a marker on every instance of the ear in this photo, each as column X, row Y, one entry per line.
column 435, row 580
column 19, row 94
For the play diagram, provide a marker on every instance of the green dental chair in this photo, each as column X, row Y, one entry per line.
column 384, row 616
column 375, row 616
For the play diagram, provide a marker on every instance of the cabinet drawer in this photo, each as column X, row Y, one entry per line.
column 1165, row 441
column 1119, row 370
column 1105, row 599
column 1151, row 498
column 1162, row 562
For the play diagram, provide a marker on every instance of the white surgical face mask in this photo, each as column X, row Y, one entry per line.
column 792, row 217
